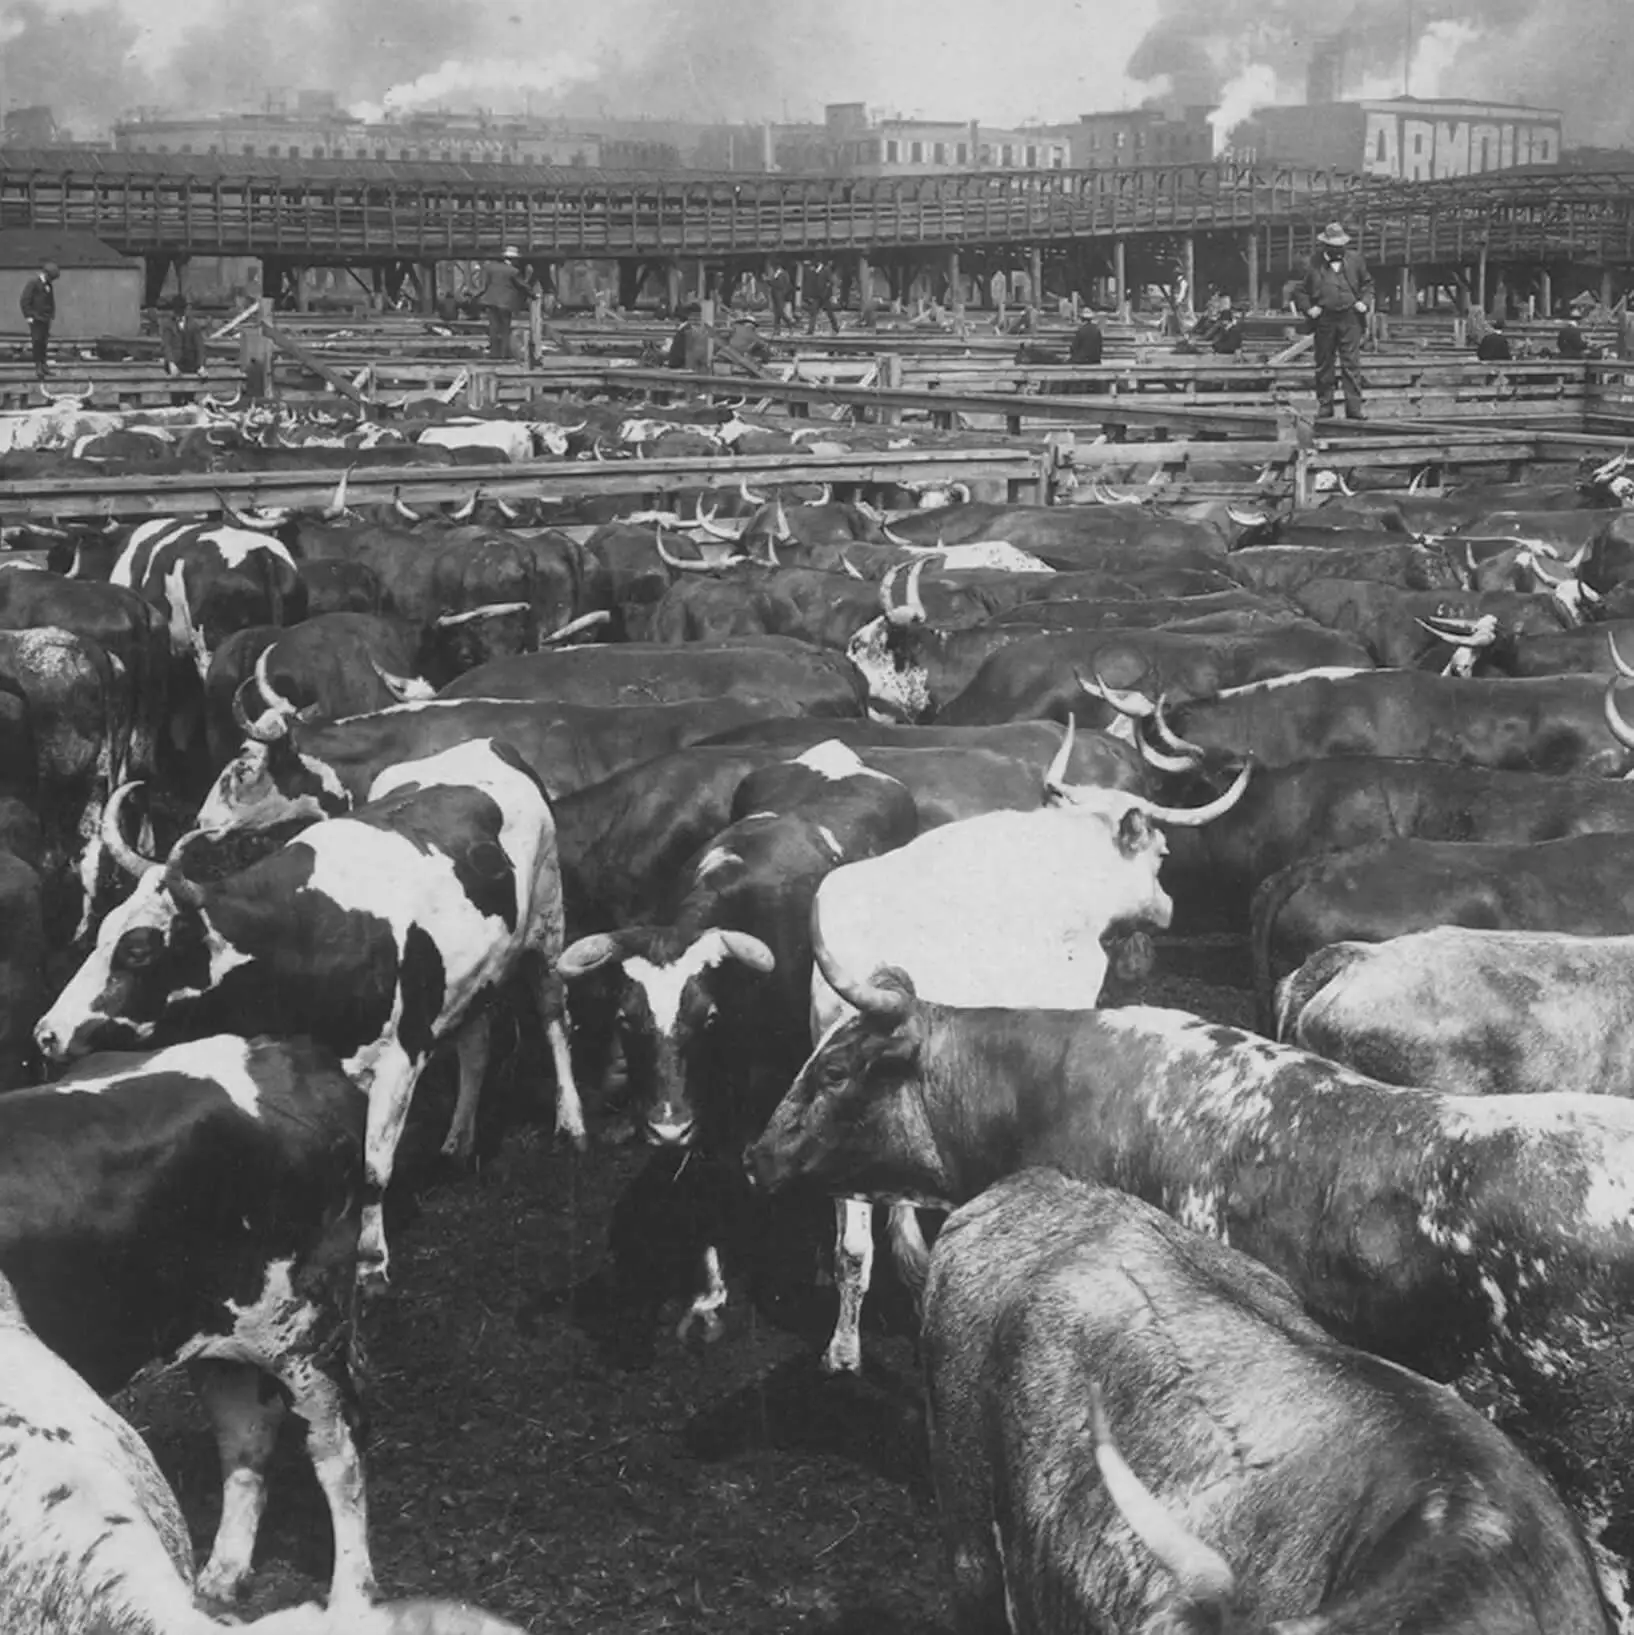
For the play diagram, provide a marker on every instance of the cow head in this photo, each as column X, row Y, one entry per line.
column 890, row 650
column 153, row 949
column 271, row 779
column 670, row 994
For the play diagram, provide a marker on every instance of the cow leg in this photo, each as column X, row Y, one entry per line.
column 706, row 1307
column 909, row 1251
column 853, row 1270
column 550, row 994
column 471, row 1044
column 245, row 1411
column 390, row 1091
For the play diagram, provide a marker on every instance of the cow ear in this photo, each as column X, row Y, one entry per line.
column 586, row 955
column 1136, row 832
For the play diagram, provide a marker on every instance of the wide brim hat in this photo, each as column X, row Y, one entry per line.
column 1333, row 233
column 512, row 253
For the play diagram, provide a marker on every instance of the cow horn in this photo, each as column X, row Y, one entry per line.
column 336, row 508
column 681, row 564
column 407, row 513
column 488, row 610
column 189, row 893
column 1620, row 729
column 77, row 566
column 1482, row 632
column 828, row 494
column 868, row 996
column 469, row 509
column 1125, row 700
column 897, row 539
column 263, row 680
column 241, row 519
column 1612, row 467
column 113, row 835
column 508, row 512
column 749, row 495
column 1344, row 487
column 1623, row 667
column 1194, row 817
column 269, row 729
column 1419, row 478
column 1201, row 1573
column 1055, row 774
column 1172, row 739
column 705, row 523
column 1247, row 519
column 1548, row 575
column 850, row 567
column 585, row 621
column 1155, row 757
column 403, row 688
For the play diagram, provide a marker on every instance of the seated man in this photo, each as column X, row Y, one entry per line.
column 1228, row 339
column 1493, row 346
column 1570, row 342
column 1087, row 343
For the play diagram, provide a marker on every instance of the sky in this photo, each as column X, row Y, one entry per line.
column 769, row 59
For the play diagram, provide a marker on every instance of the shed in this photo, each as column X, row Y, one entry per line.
column 100, row 291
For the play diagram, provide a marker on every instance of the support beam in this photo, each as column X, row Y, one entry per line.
column 1251, row 254
column 672, row 286
column 1120, row 281
column 1409, row 293
column 1480, row 280
column 1188, row 266
column 1035, row 276
column 1546, row 294
column 428, row 287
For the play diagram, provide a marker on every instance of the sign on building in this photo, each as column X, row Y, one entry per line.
column 1417, row 142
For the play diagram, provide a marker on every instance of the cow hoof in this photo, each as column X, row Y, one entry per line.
column 576, row 1136
column 713, row 1327
column 220, row 1584
column 842, row 1359
column 618, row 1132
column 459, row 1145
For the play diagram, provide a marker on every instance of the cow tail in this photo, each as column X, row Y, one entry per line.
column 1271, row 896
column 1300, row 987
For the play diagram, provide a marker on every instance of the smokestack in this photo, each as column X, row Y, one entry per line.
column 1325, row 73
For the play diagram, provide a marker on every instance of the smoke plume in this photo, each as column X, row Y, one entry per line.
column 1501, row 50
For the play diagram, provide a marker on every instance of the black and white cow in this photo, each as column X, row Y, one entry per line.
column 1075, row 1336
column 380, row 933
column 200, row 1204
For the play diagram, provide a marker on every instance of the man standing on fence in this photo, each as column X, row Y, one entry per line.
column 39, row 305
column 1336, row 296
column 506, row 290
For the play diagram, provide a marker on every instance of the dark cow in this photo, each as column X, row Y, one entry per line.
column 1583, row 884
column 1286, row 1482
column 1282, row 569
column 336, row 664
column 1392, row 1212
column 200, row 1205
column 380, row 933
column 713, row 1001
column 94, row 1538
column 293, row 768
column 1040, row 676
column 789, row 677
column 22, row 980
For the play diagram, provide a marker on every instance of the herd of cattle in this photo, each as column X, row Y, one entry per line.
column 813, row 861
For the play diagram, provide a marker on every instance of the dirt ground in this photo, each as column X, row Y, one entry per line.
column 529, row 1453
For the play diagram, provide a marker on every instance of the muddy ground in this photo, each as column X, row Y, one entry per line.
column 539, row 1450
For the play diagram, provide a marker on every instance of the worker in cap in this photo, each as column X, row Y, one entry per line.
column 1336, row 296
column 39, row 308
column 504, row 291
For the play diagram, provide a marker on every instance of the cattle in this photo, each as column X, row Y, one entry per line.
column 1299, row 811
column 788, row 676
column 1039, row 676
column 1487, row 1242
column 1285, row 1481
column 291, row 768
column 331, row 666
column 1068, row 537
column 91, row 1535
column 1473, row 1012
column 380, row 933
column 199, row 1204
column 712, row 1002
column 1545, row 724
column 1582, row 883
column 1078, row 882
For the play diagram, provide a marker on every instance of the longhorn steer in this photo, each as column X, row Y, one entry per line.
column 1286, row 1482
column 1485, row 1241
column 240, row 1162
column 379, row 933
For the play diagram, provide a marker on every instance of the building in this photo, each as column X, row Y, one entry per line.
column 99, row 293
column 851, row 143
column 1408, row 139
column 1152, row 135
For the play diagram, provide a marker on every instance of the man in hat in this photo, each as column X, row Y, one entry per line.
column 39, row 306
column 693, row 347
column 744, row 341
column 505, row 290
column 1336, row 296
column 181, row 340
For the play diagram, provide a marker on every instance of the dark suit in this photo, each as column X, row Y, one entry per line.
column 1334, row 287
column 39, row 307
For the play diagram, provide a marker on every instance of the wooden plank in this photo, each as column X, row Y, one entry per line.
column 287, row 343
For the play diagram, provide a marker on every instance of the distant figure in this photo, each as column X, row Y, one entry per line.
column 820, row 296
column 1228, row 339
column 1087, row 343
column 39, row 308
column 1493, row 346
column 1570, row 341
column 505, row 291
column 693, row 348
column 780, row 288
column 1335, row 296
column 181, row 340
column 744, row 339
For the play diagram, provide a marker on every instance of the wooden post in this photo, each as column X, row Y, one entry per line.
column 1546, row 294
column 890, row 380
column 1480, row 280
column 1605, row 288
column 1120, row 281
column 1252, row 256
column 672, row 286
column 1188, row 266
column 255, row 350
column 1035, row 276
column 1409, row 294
column 428, row 288
column 287, row 343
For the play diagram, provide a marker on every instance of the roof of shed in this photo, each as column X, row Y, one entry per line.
column 70, row 249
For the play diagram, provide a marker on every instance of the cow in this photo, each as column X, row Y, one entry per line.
column 199, row 1204
column 1582, row 884
column 381, row 933
column 91, row 1535
column 1474, row 1012
column 712, row 1002
column 1286, row 1481
column 22, row 980
column 290, row 767
column 1283, row 569
column 1400, row 1216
